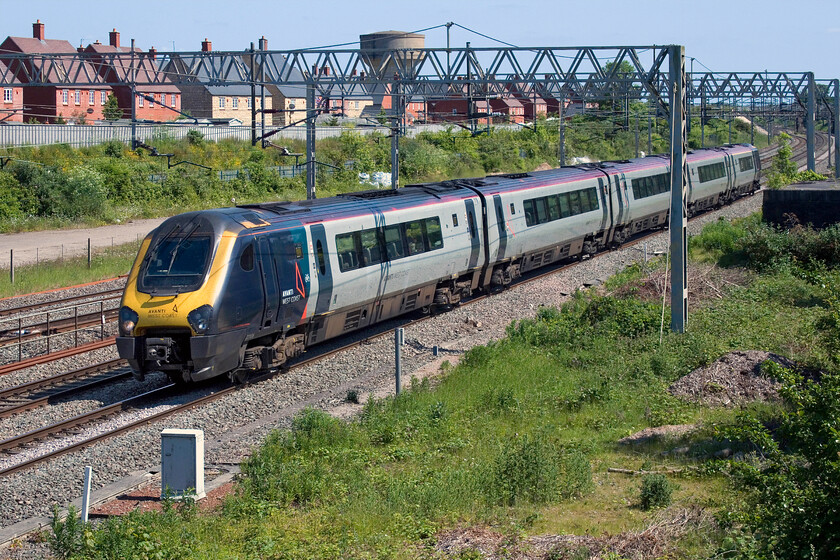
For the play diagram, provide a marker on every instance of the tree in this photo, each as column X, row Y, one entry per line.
column 112, row 110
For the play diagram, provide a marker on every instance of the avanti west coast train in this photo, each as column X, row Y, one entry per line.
column 246, row 288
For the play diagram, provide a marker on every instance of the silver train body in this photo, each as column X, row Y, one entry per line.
column 246, row 288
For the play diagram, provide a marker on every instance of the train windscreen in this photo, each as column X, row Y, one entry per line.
column 176, row 264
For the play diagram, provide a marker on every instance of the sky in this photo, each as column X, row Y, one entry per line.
column 720, row 36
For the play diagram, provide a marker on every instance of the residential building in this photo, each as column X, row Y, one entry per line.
column 52, row 104
column 119, row 64
column 222, row 102
column 11, row 106
column 289, row 102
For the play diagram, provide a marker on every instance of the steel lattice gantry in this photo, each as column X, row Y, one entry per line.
column 788, row 89
column 583, row 74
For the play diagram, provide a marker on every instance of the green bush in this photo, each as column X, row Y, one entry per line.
column 655, row 491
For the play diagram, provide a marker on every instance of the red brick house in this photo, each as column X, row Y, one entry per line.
column 51, row 103
column 11, row 106
column 151, row 102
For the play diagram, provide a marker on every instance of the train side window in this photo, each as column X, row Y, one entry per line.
column 540, row 208
column 322, row 263
column 246, row 259
column 345, row 247
column 529, row 212
column 563, row 198
column 454, row 220
column 434, row 234
column 746, row 163
column 593, row 198
column 394, row 246
column 414, row 236
column 574, row 202
column 553, row 208
column 512, row 209
column 371, row 253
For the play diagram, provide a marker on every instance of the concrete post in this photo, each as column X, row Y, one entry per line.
column 86, row 494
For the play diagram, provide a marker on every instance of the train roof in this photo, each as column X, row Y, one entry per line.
column 364, row 203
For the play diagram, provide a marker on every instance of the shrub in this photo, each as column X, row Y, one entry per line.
column 195, row 138
column 655, row 491
column 533, row 469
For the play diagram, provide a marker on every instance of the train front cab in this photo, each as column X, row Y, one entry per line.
column 169, row 315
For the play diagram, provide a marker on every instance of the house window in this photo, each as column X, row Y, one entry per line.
column 248, row 102
column 103, row 97
column 65, row 96
column 174, row 100
column 235, row 103
column 356, row 104
column 91, row 97
column 221, row 103
column 77, row 97
column 140, row 101
column 152, row 100
column 7, row 95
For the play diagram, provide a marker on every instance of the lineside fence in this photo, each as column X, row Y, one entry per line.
column 18, row 262
column 17, row 135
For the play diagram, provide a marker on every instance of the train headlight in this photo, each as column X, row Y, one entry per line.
column 128, row 320
column 199, row 319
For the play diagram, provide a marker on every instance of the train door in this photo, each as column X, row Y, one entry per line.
column 604, row 196
column 322, row 267
column 475, row 241
column 292, row 263
column 268, row 275
column 730, row 174
column 501, row 223
column 623, row 199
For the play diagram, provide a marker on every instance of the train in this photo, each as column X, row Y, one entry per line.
column 246, row 288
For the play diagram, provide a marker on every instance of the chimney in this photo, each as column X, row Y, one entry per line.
column 206, row 46
column 325, row 70
column 263, row 43
column 38, row 30
column 153, row 53
column 114, row 38
column 80, row 48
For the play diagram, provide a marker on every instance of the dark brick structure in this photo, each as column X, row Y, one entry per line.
column 815, row 203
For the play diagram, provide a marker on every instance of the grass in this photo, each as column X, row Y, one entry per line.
column 107, row 262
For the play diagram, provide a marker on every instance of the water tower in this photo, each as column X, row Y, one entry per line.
column 373, row 48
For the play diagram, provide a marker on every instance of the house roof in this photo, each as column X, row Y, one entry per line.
column 180, row 64
column 277, row 64
column 118, row 68
column 72, row 69
column 8, row 78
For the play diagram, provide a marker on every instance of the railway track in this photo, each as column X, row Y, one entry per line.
column 74, row 425
column 41, row 392
column 61, row 302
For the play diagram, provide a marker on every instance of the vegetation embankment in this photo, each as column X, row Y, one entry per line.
column 783, row 170
column 507, row 453
column 56, row 186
